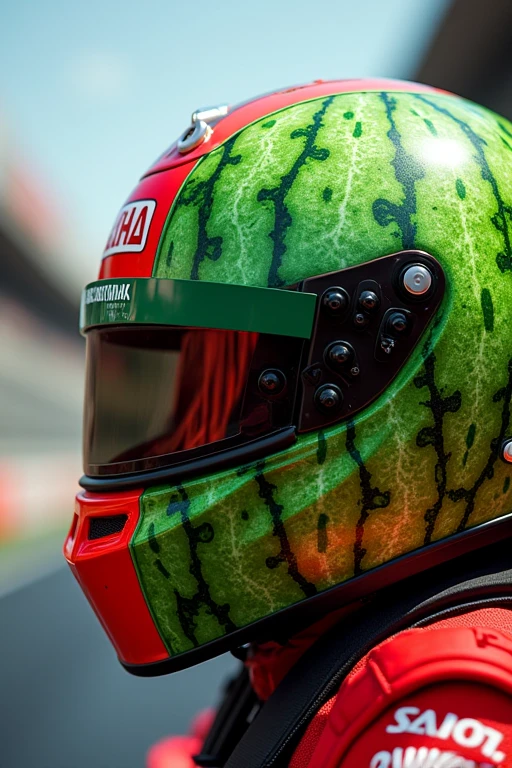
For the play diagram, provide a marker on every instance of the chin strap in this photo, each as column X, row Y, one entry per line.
column 238, row 709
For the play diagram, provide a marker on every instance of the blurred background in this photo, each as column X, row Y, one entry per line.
column 90, row 94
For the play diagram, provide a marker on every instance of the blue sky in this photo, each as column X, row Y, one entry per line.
column 93, row 91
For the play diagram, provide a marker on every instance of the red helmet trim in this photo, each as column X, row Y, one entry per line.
column 105, row 571
column 247, row 113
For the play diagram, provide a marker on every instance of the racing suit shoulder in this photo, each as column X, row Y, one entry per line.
column 436, row 696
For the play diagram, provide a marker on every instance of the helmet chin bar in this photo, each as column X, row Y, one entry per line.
column 370, row 585
column 368, row 320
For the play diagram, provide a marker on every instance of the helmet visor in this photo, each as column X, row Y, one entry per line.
column 157, row 396
column 158, row 391
column 162, row 389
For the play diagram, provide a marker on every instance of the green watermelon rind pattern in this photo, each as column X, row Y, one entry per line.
column 316, row 187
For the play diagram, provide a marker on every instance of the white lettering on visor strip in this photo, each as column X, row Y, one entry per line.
column 107, row 292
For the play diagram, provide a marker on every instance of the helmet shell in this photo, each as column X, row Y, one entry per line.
column 332, row 178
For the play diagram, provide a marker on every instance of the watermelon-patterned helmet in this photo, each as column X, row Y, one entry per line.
column 299, row 366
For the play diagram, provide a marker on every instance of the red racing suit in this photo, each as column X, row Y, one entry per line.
column 439, row 696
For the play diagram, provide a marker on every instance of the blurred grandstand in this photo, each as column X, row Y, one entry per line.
column 40, row 355
column 470, row 53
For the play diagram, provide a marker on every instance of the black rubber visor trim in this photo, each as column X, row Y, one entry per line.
column 215, row 462
column 290, row 620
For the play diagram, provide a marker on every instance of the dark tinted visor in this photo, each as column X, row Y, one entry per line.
column 156, row 396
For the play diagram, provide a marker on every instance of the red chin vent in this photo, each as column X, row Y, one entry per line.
column 98, row 551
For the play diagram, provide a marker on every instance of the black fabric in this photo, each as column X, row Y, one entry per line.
column 236, row 710
column 479, row 579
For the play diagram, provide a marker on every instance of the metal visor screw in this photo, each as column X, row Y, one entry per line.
column 397, row 322
column 335, row 301
column 506, row 451
column 272, row 382
column 417, row 280
column 328, row 398
column 369, row 300
column 339, row 354
column 361, row 320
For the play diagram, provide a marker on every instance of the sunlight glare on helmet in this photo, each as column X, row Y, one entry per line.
column 446, row 152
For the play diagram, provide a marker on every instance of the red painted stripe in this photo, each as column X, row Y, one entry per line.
column 265, row 105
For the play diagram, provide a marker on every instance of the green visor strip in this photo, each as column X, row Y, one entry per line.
column 196, row 304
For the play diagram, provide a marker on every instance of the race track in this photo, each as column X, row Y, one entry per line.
column 65, row 700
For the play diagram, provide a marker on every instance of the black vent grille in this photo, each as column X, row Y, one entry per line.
column 99, row 527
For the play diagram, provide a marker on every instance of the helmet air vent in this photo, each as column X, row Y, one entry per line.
column 100, row 527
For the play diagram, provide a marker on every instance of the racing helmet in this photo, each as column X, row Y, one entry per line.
column 299, row 366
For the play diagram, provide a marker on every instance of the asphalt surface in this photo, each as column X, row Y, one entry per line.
column 66, row 702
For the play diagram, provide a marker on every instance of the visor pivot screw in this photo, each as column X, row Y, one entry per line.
column 417, row 279
column 271, row 382
column 361, row 320
column 369, row 300
column 339, row 354
column 335, row 301
column 506, row 451
column 328, row 398
column 398, row 322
